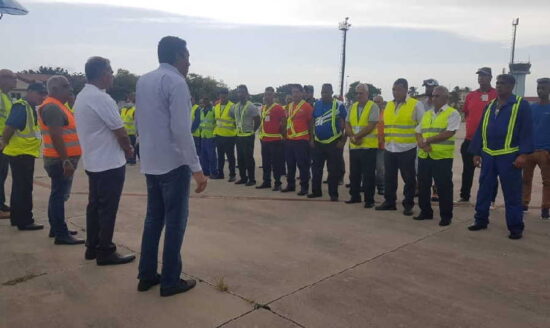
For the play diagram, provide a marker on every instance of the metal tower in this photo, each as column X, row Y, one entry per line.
column 518, row 70
column 344, row 27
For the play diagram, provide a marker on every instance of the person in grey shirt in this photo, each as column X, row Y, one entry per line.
column 247, row 120
column 168, row 159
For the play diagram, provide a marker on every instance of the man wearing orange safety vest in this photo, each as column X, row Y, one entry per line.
column 61, row 154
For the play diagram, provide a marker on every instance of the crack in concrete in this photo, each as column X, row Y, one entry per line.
column 23, row 279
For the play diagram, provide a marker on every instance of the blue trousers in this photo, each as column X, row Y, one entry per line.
column 510, row 180
column 167, row 206
column 297, row 154
column 198, row 143
column 208, row 157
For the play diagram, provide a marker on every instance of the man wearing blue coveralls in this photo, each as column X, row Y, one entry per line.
column 502, row 141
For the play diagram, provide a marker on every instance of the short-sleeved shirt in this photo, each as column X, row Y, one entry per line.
column 273, row 121
column 97, row 116
column 247, row 117
column 374, row 115
column 18, row 117
column 473, row 107
column 54, row 116
column 541, row 126
column 301, row 120
column 322, row 118
column 453, row 124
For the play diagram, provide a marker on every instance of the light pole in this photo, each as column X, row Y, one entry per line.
column 344, row 27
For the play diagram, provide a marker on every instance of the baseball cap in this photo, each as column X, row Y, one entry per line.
column 430, row 83
column 37, row 87
column 544, row 80
column 485, row 71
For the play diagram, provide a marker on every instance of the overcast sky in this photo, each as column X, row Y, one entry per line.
column 261, row 44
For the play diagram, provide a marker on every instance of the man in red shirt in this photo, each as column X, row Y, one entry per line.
column 298, row 136
column 272, row 127
column 473, row 109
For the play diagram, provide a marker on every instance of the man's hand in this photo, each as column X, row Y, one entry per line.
column 201, row 181
column 477, row 161
column 520, row 161
column 312, row 144
column 68, row 168
column 2, row 144
column 340, row 144
column 129, row 152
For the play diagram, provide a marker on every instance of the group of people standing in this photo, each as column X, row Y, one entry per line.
column 179, row 141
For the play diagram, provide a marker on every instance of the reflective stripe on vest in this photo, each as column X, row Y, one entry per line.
column 225, row 124
column 208, row 123
column 431, row 127
column 26, row 142
column 358, row 123
column 508, row 149
column 322, row 120
column 239, row 118
column 400, row 128
column 293, row 110
column 127, row 114
column 5, row 109
column 69, row 135
column 265, row 113
column 197, row 132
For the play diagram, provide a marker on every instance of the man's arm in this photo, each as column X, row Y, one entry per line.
column 124, row 141
column 8, row 133
column 525, row 134
column 15, row 121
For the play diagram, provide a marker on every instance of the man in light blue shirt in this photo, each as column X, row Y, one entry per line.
column 168, row 159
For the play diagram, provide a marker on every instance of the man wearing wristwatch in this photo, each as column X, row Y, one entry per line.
column 61, row 154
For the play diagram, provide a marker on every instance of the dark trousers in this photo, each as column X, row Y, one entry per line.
column 4, row 165
column 273, row 160
column 105, row 190
column 468, row 169
column 59, row 194
column 167, row 206
column 22, row 171
column 297, row 154
column 362, row 173
column 330, row 154
column 494, row 167
column 226, row 147
column 208, row 158
column 198, row 144
column 132, row 160
column 441, row 171
column 394, row 163
column 245, row 158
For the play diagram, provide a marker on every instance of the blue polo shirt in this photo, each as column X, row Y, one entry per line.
column 18, row 117
column 541, row 125
column 322, row 118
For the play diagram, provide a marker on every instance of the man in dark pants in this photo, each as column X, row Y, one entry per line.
column 22, row 146
column 297, row 144
column 272, row 127
column 105, row 148
column 8, row 81
column 401, row 117
column 225, row 132
column 328, row 126
column 436, row 142
column 361, row 128
column 247, row 121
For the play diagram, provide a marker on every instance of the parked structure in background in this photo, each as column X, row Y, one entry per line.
column 518, row 70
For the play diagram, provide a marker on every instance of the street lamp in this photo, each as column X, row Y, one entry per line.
column 11, row 7
column 344, row 27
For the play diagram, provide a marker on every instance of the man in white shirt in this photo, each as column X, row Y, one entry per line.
column 105, row 147
column 168, row 159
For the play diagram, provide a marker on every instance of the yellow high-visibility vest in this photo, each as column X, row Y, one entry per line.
column 128, row 117
column 28, row 141
column 5, row 109
column 197, row 132
column 359, row 123
column 508, row 149
column 433, row 125
column 225, row 124
column 400, row 127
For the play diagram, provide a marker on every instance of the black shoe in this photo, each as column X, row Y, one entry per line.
column 144, row 285
column 333, row 198
column 477, row 227
column 544, row 214
column 90, row 254
column 183, row 286
column 250, row 183
column 264, row 186
column 444, row 223
column 276, row 188
column 381, row 192
column 231, row 179
column 68, row 240
column 525, row 208
column 302, row 193
column 408, row 211
column 386, row 207
column 325, row 182
column 115, row 258
column 217, row 177
column 515, row 235
column 314, row 195
column 435, row 199
column 240, row 181
column 31, row 227
column 5, row 208
column 353, row 201
column 369, row 205
column 289, row 189
column 423, row 216
column 71, row 232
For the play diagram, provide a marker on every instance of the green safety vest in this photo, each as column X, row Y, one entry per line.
column 208, row 123
column 127, row 114
column 265, row 113
column 28, row 141
column 333, row 119
column 5, row 108
column 225, row 124
column 197, row 132
column 370, row 141
column 239, row 118
column 400, row 127
column 508, row 149
column 431, row 127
